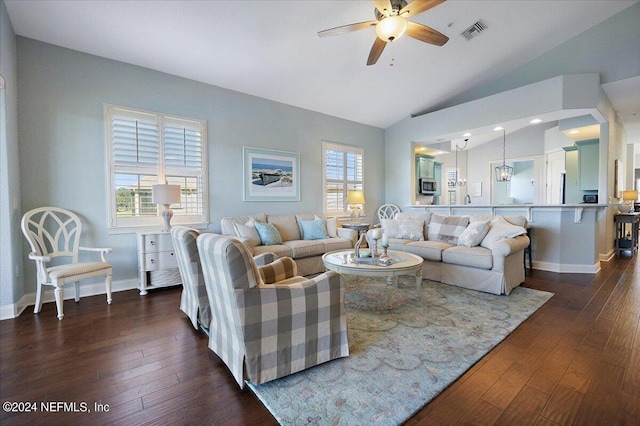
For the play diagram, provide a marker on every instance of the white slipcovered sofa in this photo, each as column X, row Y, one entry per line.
column 480, row 252
column 299, row 236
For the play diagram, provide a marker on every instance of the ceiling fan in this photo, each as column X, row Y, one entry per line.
column 391, row 23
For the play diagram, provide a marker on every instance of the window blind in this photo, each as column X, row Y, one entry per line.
column 147, row 148
column 343, row 172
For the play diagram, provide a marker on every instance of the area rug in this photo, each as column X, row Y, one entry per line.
column 400, row 359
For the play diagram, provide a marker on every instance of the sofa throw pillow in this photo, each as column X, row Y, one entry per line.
column 411, row 229
column 269, row 235
column 332, row 226
column 391, row 228
column 248, row 230
column 474, row 233
column 447, row 229
column 314, row 229
column 500, row 229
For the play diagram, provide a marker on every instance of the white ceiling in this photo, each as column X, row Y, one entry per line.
column 271, row 48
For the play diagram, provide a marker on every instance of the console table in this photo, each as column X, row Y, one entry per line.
column 627, row 224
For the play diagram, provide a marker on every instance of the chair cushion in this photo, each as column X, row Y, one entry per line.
column 314, row 229
column 428, row 250
column 474, row 233
column 287, row 226
column 447, row 229
column 65, row 271
column 269, row 235
column 475, row 257
column 331, row 244
column 277, row 249
column 304, row 248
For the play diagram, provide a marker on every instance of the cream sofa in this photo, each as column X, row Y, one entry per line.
column 306, row 252
column 494, row 265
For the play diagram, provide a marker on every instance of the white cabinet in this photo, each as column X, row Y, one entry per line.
column 157, row 263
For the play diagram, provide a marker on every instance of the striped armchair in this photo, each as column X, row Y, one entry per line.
column 193, row 301
column 266, row 331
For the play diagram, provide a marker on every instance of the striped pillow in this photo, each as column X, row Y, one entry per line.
column 447, row 229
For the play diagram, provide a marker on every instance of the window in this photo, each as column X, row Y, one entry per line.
column 343, row 167
column 145, row 148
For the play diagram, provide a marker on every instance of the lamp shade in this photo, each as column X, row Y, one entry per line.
column 165, row 194
column 355, row 197
column 630, row 195
column 391, row 28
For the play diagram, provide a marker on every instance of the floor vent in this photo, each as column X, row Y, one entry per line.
column 474, row 30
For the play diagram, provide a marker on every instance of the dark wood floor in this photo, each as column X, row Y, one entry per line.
column 576, row 361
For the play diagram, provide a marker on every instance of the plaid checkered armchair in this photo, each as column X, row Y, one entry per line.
column 268, row 322
column 193, row 301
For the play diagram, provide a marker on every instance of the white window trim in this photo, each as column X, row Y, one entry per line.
column 327, row 145
column 131, row 225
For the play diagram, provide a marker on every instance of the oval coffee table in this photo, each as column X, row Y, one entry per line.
column 403, row 264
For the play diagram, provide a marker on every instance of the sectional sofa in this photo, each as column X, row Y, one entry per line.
column 480, row 252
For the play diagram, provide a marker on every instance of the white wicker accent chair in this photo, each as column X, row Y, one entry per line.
column 386, row 211
column 260, row 327
column 55, row 233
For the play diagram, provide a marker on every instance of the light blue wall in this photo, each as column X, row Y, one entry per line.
column 11, row 287
column 62, row 137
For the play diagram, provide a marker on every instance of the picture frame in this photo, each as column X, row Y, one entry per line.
column 270, row 175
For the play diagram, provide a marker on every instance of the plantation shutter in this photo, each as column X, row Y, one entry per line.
column 343, row 172
column 136, row 143
column 183, row 146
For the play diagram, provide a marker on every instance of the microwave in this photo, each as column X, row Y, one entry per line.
column 590, row 198
column 427, row 186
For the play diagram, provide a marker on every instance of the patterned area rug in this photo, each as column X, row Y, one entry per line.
column 400, row 359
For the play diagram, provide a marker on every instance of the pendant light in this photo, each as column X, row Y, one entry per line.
column 504, row 172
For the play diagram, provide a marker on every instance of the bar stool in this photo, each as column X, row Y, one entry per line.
column 527, row 253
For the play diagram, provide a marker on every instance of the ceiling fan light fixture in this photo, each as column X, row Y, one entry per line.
column 391, row 28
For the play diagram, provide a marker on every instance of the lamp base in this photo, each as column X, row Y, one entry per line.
column 166, row 214
column 625, row 208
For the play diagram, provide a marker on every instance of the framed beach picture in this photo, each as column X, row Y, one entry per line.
column 270, row 175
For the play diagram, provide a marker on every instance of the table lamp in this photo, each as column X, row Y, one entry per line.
column 355, row 199
column 166, row 195
column 628, row 198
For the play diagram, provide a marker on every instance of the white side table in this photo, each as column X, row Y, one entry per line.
column 157, row 263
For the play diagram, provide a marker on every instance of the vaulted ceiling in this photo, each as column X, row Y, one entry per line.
column 271, row 49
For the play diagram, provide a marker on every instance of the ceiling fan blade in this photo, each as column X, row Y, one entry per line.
column 376, row 51
column 419, row 6
column 426, row 34
column 383, row 5
column 347, row 28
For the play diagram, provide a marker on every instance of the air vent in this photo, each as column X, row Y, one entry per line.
column 473, row 30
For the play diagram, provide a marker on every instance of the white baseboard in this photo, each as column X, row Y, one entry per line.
column 567, row 268
column 93, row 289
column 606, row 257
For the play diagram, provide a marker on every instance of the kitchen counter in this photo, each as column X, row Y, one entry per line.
column 525, row 210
